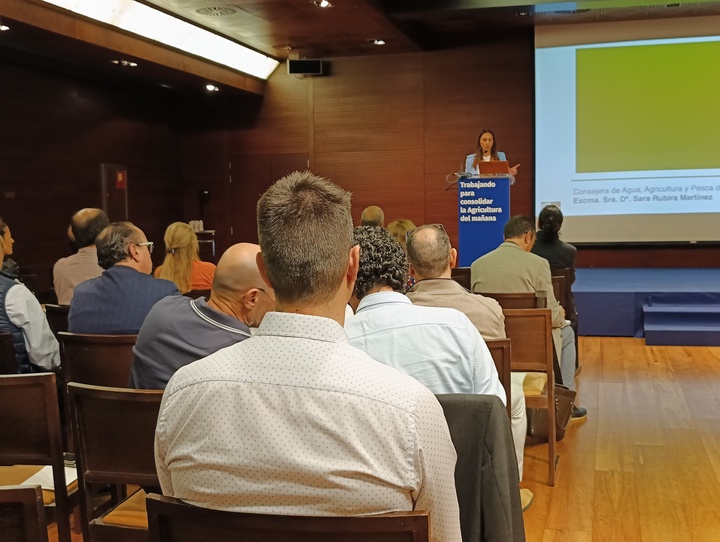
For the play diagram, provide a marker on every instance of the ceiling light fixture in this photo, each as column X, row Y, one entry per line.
column 211, row 88
column 125, row 63
column 322, row 3
column 3, row 27
column 142, row 20
column 378, row 42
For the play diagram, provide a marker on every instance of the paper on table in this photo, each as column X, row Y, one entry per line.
column 44, row 477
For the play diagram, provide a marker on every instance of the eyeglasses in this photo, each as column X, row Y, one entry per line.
column 438, row 227
column 148, row 244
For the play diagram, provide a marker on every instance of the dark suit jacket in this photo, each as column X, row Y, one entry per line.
column 116, row 302
column 559, row 254
column 486, row 473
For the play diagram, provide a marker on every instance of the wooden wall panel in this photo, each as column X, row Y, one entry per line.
column 279, row 124
column 368, row 128
column 658, row 256
column 56, row 131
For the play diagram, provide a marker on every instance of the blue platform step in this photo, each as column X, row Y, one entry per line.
column 682, row 324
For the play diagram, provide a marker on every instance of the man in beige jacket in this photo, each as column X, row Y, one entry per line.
column 512, row 268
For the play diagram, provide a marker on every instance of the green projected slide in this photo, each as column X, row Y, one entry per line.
column 650, row 107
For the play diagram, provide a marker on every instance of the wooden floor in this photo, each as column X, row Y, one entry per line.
column 645, row 465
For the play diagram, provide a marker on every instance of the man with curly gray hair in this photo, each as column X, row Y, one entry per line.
column 440, row 347
column 117, row 302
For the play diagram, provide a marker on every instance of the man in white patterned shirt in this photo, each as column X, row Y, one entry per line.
column 295, row 420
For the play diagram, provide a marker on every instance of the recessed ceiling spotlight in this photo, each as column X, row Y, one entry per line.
column 4, row 27
column 125, row 63
column 322, row 3
column 211, row 88
column 378, row 42
column 522, row 14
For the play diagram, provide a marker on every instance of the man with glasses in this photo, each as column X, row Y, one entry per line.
column 179, row 330
column 118, row 301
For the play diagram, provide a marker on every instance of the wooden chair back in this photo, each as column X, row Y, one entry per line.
column 22, row 514
column 8, row 363
column 500, row 350
column 57, row 317
column 524, row 300
column 30, row 434
column 531, row 333
column 564, row 277
column 560, row 291
column 461, row 275
column 172, row 520
column 102, row 360
column 114, row 433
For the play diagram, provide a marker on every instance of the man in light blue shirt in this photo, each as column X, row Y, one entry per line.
column 439, row 347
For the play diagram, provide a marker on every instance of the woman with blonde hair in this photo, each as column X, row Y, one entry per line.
column 182, row 263
column 399, row 228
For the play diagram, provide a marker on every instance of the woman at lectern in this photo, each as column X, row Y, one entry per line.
column 486, row 151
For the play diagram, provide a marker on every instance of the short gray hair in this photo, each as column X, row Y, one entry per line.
column 305, row 235
column 429, row 254
column 112, row 243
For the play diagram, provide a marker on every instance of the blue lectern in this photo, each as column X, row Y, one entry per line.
column 483, row 210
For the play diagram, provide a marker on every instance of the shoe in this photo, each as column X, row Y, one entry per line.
column 526, row 498
column 578, row 413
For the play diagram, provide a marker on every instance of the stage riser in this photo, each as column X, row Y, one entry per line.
column 666, row 306
column 682, row 338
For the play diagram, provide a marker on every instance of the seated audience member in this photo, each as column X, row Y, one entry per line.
column 399, row 230
column 558, row 253
column 9, row 266
column 431, row 260
column 118, row 301
column 372, row 216
column 439, row 347
column 182, row 263
column 512, row 268
column 68, row 272
column 295, row 420
column 36, row 349
column 179, row 330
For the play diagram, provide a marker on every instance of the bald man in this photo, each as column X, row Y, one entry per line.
column 179, row 330
column 372, row 216
column 85, row 225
